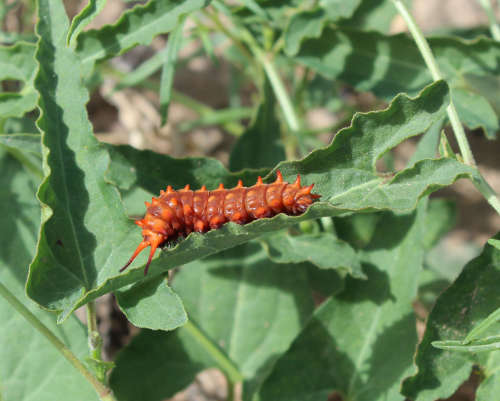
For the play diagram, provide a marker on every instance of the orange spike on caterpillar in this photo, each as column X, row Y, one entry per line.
column 279, row 177
column 175, row 214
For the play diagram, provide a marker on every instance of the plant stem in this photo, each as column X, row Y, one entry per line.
column 432, row 65
column 95, row 342
column 230, row 391
column 233, row 127
column 278, row 87
column 103, row 392
column 458, row 129
column 218, row 117
column 279, row 90
column 270, row 70
column 232, row 373
column 234, row 38
column 488, row 192
column 494, row 28
column 93, row 333
column 281, row 94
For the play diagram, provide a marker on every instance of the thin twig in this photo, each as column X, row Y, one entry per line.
column 433, row 67
column 494, row 28
column 480, row 183
column 265, row 60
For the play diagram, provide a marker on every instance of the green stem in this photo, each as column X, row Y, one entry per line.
column 219, row 117
column 93, row 333
column 458, row 129
column 234, row 38
column 232, row 127
column 299, row 89
column 230, row 391
column 95, row 343
column 243, row 35
column 103, row 392
column 279, row 90
column 433, row 67
column 225, row 364
column 494, row 28
column 488, row 192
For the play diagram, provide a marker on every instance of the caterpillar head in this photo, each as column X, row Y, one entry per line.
column 303, row 197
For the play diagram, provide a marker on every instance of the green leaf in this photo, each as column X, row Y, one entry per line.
column 74, row 244
column 487, row 86
column 15, row 104
column 372, row 15
column 142, row 366
column 26, row 143
column 203, row 34
column 387, row 65
column 169, row 65
column 317, row 249
column 25, row 148
column 143, row 71
column 487, row 344
column 153, row 305
column 344, row 174
column 260, row 145
column 352, row 344
column 336, row 9
column 244, row 312
column 415, row 179
column 354, row 57
column 277, row 296
column 352, row 182
column 304, row 25
column 494, row 242
column 137, row 26
column 445, row 149
column 466, row 303
column 357, row 229
column 17, row 63
column 83, row 18
column 276, row 10
column 441, row 218
column 489, row 387
column 30, row 367
column 310, row 23
column 476, row 112
column 18, row 125
column 428, row 144
column 475, row 333
column 256, row 8
column 225, row 117
column 324, row 282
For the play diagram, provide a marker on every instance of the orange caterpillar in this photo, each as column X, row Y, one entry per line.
column 177, row 213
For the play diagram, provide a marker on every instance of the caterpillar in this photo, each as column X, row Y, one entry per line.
column 177, row 213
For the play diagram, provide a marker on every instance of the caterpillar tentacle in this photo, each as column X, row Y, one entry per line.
column 176, row 214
